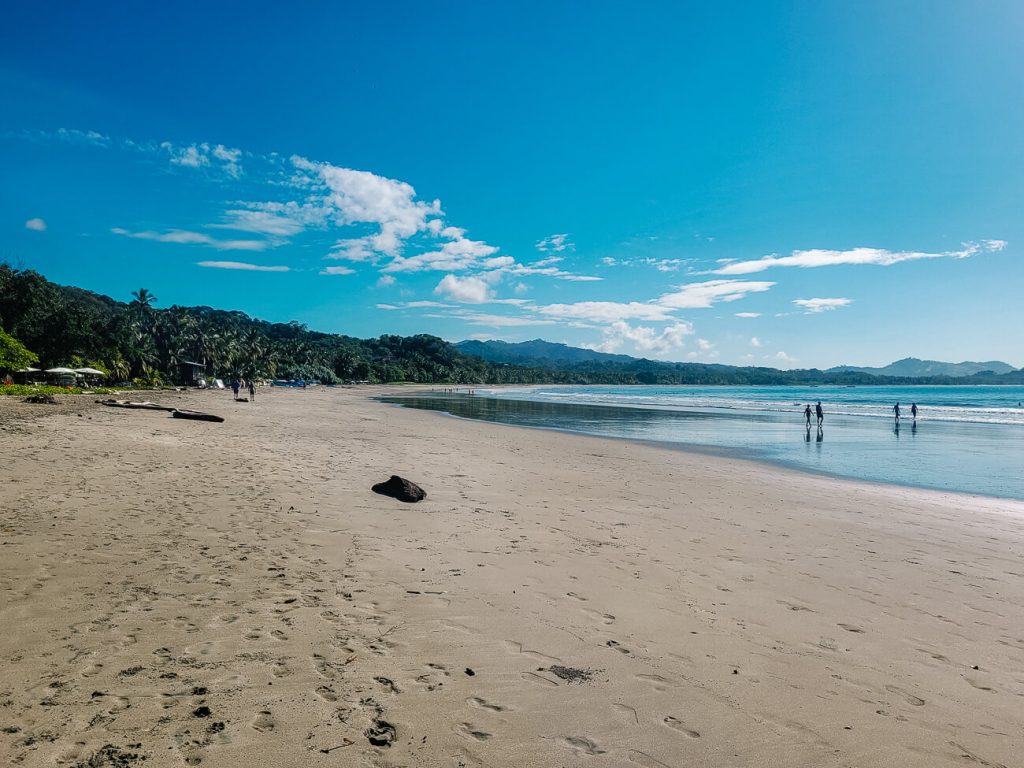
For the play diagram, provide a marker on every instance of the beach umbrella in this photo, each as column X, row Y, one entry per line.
column 90, row 371
column 65, row 371
column 28, row 370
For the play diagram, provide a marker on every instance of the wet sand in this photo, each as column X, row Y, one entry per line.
column 181, row 593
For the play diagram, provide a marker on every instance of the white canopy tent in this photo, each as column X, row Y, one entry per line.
column 89, row 372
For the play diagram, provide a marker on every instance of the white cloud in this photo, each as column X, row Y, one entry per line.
column 706, row 294
column 755, row 342
column 36, row 225
column 457, row 254
column 353, row 249
column 555, row 243
column 468, row 290
column 185, row 237
column 544, row 269
column 348, row 197
column 704, row 345
column 645, row 340
column 782, row 359
column 385, row 280
column 496, row 321
column 263, row 222
column 825, row 258
column 204, row 155
column 607, row 311
column 748, row 314
column 337, row 271
column 814, row 306
column 241, row 265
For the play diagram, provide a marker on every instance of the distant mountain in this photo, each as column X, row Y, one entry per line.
column 538, row 352
column 913, row 368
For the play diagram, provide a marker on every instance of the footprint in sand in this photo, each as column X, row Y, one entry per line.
column 388, row 684
column 581, row 745
column 645, row 760
column 264, row 721
column 118, row 704
column 514, row 646
column 92, row 669
column 851, row 628
column 628, row 712
column 616, row 647
column 678, row 725
column 533, row 677
column 660, row 683
column 910, row 698
column 277, row 634
column 604, row 618
column 326, row 693
column 471, row 731
column 476, row 701
column 979, row 686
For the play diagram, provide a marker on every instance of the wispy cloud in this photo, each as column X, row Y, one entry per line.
column 555, row 243
column 36, row 225
column 748, row 314
column 204, row 156
column 337, row 271
column 814, row 306
column 710, row 292
column 607, row 311
column 263, row 222
column 186, row 237
column 827, row 258
column 241, row 265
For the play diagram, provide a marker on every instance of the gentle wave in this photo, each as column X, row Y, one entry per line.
column 724, row 399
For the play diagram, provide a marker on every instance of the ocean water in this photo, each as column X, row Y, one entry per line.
column 966, row 439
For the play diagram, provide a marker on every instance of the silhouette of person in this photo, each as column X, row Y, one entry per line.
column 821, row 435
column 820, row 413
column 807, row 435
column 896, row 410
column 913, row 410
column 807, row 415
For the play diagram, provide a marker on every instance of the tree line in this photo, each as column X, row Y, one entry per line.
column 68, row 326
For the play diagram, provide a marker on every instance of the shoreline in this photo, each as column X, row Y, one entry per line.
column 724, row 452
column 703, row 610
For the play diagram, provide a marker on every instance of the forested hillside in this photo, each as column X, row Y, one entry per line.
column 70, row 326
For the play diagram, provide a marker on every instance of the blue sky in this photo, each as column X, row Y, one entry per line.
column 796, row 184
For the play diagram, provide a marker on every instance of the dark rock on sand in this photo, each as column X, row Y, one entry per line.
column 401, row 489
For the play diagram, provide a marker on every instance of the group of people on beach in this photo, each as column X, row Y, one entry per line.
column 238, row 385
column 820, row 413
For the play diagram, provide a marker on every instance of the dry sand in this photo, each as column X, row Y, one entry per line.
column 234, row 595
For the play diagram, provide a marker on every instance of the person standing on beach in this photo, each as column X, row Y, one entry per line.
column 820, row 413
column 913, row 410
column 807, row 415
column 235, row 386
column 252, row 391
column 896, row 411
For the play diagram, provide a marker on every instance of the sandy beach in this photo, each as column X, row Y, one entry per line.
column 181, row 593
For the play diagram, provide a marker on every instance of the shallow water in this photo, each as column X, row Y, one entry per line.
column 967, row 439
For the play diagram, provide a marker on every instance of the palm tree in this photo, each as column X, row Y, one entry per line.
column 142, row 301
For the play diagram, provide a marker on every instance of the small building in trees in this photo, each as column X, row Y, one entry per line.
column 192, row 374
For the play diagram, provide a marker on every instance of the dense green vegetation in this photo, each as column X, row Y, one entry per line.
column 139, row 341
